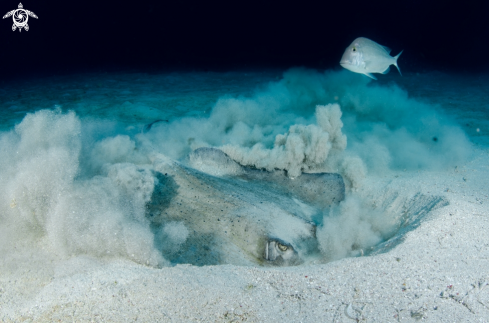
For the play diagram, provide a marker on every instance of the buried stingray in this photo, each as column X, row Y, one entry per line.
column 241, row 216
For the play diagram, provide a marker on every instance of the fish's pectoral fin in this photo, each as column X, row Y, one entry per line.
column 371, row 76
column 386, row 70
column 368, row 63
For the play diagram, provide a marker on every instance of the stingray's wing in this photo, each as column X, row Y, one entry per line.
column 30, row 13
column 8, row 14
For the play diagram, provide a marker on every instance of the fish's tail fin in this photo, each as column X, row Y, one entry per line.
column 395, row 64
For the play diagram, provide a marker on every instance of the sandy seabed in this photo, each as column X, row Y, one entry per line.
column 439, row 273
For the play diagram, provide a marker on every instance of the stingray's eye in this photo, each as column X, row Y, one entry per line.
column 354, row 49
column 282, row 247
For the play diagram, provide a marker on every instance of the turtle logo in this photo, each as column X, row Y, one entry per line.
column 20, row 17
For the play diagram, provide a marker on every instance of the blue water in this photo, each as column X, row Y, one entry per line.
column 76, row 163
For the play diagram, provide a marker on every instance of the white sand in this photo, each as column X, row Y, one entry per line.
column 440, row 273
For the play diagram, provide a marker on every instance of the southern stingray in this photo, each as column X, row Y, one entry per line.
column 239, row 215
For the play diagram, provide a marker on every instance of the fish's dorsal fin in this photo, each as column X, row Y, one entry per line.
column 386, row 70
column 371, row 76
column 387, row 49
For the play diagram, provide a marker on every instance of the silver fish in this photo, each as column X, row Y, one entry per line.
column 365, row 56
column 242, row 220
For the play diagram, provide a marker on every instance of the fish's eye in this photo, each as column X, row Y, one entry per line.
column 282, row 247
column 354, row 49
